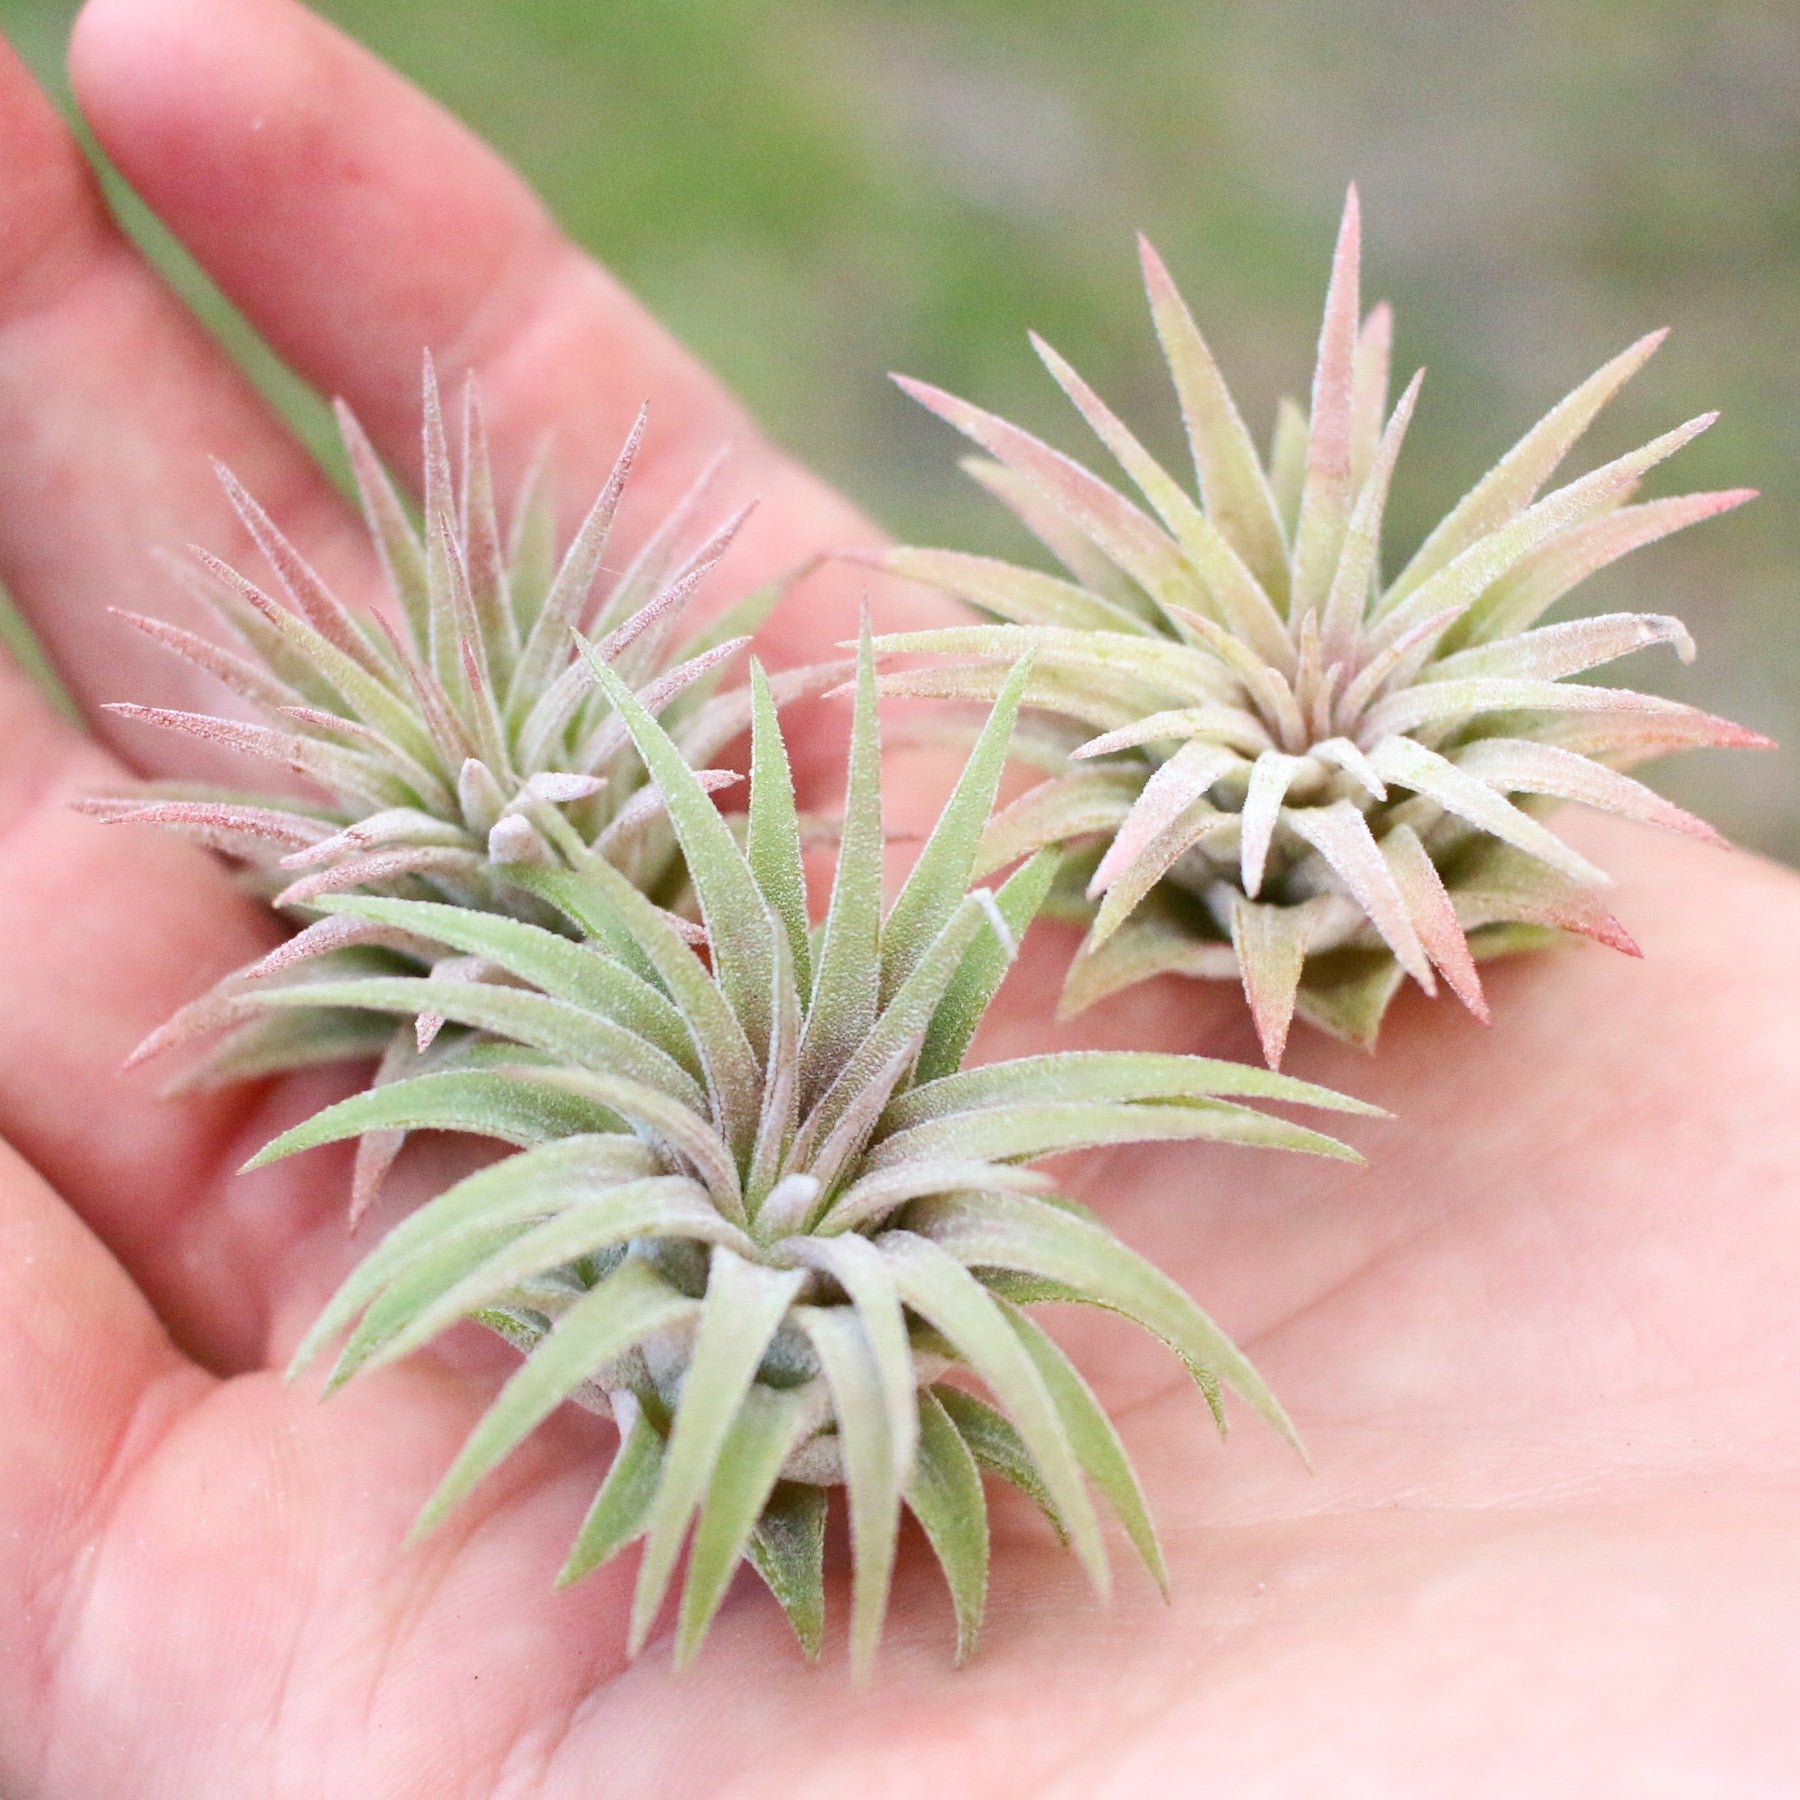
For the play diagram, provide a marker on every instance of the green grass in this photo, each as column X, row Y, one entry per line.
column 812, row 193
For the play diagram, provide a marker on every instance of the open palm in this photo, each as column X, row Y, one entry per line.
column 1544, row 1349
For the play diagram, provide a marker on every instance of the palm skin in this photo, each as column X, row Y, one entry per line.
column 1544, row 1349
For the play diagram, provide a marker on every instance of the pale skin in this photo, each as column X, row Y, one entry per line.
column 1544, row 1350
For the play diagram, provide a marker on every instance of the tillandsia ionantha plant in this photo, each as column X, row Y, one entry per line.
column 760, row 1213
column 446, row 740
column 1283, row 767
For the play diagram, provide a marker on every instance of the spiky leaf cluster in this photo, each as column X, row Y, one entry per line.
column 1293, row 770
column 446, row 738
column 759, row 1212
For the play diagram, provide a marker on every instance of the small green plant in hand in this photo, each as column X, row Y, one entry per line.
column 445, row 740
column 762, row 1215
column 1282, row 767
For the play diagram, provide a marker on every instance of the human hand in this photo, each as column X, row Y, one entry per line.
column 1543, row 1349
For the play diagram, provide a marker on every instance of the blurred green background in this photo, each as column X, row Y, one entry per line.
column 812, row 193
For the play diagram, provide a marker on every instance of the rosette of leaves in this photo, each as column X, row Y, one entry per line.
column 444, row 739
column 1286, row 768
column 762, row 1216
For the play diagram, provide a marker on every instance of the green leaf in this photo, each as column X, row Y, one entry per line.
column 566, row 599
column 983, row 968
column 1232, row 485
column 1096, row 1443
column 1271, row 942
column 684, row 1130
column 1103, row 515
column 942, row 1291
column 621, row 1510
column 1010, row 1231
column 866, row 1442
column 883, row 1055
column 862, row 1272
column 847, row 975
column 767, row 1426
column 421, row 1281
column 278, row 1042
column 998, row 1448
column 1083, row 803
column 743, row 1307
column 663, row 1206
column 1024, row 1132
column 1020, row 596
column 511, row 1107
column 1347, row 993
column 945, row 1497
column 600, row 898
column 1107, row 1075
column 1191, row 676
column 586, row 904
column 738, row 925
column 787, row 1550
column 402, row 560
column 773, row 840
column 1514, row 481
column 1238, row 598
column 940, row 876
column 1501, row 549
column 565, row 971
column 502, row 1196
column 567, row 1032
column 613, row 1317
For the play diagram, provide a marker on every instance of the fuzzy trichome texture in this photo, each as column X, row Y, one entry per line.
column 1284, row 767
column 761, row 1214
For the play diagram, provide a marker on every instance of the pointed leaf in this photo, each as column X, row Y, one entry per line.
column 1232, row 485
column 997, row 1448
column 1095, row 1440
column 773, row 842
column 1342, row 837
column 1434, row 916
column 1409, row 764
column 744, row 1305
column 628, row 1306
column 866, row 1441
column 511, row 1107
column 1010, row 1231
column 984, row 966
column 937, row 1287
column 1271, row 944
column 787, row 1550
column 738, row 923
column 1514, row 481
column 621, row 1509
column 940, row 877
column 945, row 1496
column 767, row 1426
column 1325, row 497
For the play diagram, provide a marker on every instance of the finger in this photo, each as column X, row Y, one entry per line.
column 354, row 221
column 106, row 930
column 111, row 401
column 181, row 1557
column 86, row 1375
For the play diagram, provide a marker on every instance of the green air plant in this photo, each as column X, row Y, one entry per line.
column 761, row 1215
column 445, row 739
column 1284, row 768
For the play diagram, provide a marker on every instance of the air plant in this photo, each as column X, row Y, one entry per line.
column 1282, row 766
column 759, row 1211
column 445, row 738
